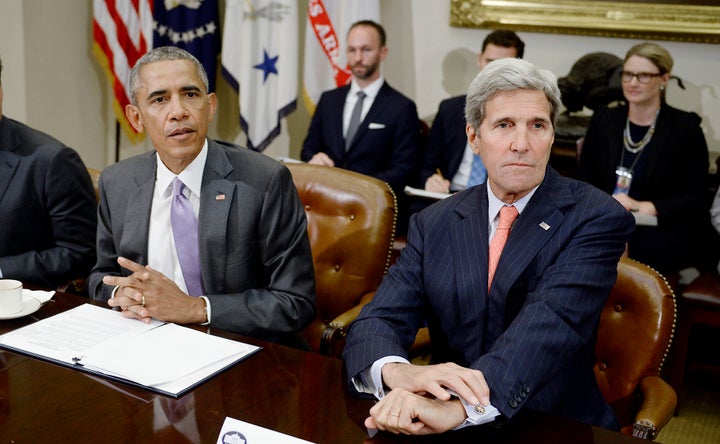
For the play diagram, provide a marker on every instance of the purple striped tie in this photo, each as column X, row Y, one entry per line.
column 185, row 232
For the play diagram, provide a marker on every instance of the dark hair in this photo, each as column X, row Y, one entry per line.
column 161, row 54
column 0, row 71
column 506, row 39
column 380, row 30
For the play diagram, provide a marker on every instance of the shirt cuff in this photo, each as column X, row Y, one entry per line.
column 370, row 380
column 208, row 310
column 476, row 414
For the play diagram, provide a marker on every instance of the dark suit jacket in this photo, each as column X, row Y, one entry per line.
column 47, row 208
column 672, row 172
column 533, row 336
column 389, row 153
column 446, row 142
column 254, row 250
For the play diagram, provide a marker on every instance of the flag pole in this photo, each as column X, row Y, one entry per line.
column 117, row 141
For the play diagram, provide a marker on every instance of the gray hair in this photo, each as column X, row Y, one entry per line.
column 163, row 54
column 506, row 75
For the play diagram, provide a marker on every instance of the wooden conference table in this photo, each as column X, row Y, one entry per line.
column 293, row 392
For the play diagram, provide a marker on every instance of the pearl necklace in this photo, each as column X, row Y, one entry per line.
column 636, row 147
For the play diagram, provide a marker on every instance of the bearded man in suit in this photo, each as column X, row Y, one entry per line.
column 384, row 144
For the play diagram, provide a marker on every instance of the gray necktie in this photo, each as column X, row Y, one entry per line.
column 354, row 120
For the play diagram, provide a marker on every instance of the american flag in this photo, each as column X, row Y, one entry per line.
column 122, row 33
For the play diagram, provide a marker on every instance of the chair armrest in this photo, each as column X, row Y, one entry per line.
column 333, row 336
column 658, row 405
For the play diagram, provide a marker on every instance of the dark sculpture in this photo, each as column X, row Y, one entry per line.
column 593, row 82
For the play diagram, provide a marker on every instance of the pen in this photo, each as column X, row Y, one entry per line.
column 437, row 170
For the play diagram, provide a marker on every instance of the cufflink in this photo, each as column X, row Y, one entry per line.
column 480, row 410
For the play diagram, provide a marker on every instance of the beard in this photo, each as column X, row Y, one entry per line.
column 364, row 72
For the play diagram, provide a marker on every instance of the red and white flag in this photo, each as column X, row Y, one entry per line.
column 122, row 33
column 328, row 22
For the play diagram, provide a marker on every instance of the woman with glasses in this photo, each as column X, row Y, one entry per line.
column 653, row 159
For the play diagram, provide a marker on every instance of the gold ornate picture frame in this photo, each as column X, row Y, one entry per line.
column 686, row 21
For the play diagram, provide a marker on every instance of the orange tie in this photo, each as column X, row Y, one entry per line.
column 507, row 217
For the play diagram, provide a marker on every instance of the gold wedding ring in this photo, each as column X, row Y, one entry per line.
column 143, row 301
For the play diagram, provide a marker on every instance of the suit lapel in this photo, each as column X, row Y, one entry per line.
column 8, row 161
column 375, row 110
column 336, row 120
column 533, row 229
column 137, row 216
column 216, row 202
column 469, row 241
column 657, row 144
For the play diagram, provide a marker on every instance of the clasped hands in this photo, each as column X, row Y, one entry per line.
column 419, row 403
column 148, row 294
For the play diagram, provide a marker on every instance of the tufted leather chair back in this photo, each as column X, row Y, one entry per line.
column 634, row 336
column 351, row 225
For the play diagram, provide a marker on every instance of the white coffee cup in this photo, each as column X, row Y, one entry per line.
column 10, row 297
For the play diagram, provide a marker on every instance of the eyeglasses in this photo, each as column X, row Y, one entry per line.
column 642, row 77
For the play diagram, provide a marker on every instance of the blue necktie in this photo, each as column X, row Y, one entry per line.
column 478, row 174
column 185, row 232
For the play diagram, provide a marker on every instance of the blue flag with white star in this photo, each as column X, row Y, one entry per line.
column 259, row 58
column 192, row 25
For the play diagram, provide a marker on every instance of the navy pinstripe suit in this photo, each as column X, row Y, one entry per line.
column 533, row 336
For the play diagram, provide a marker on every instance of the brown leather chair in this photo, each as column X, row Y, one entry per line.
column 634, row 337
column 351, row 225
column 699, row 305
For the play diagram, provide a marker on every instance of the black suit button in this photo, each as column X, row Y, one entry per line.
column 525, row 389
column 513, row 403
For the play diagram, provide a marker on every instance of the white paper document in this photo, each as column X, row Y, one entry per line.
column 162, row 356
column 410, row 191
column 235, row 431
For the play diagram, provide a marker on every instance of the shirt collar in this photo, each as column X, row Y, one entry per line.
column 191, row 176
column 494, row 204
column 370, row 91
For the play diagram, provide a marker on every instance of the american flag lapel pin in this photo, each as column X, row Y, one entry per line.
column 220, row 197
column 544, row 226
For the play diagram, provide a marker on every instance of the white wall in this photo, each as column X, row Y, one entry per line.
column 52, row 82
column 445, row 58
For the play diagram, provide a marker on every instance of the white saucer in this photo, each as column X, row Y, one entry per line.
column 30, row 306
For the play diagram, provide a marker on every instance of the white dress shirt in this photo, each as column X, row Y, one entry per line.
column 461, row 177
column 351, row 99
column 162, row 255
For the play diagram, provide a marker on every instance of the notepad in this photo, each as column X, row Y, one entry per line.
column 410, row 191
column 164, row 357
